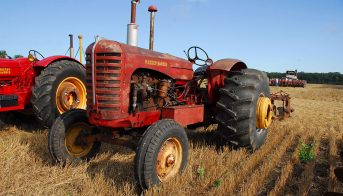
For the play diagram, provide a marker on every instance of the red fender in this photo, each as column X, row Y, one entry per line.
column 216, row 74
column 47, row 61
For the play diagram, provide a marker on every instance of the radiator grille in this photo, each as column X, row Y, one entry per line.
column 107, row 81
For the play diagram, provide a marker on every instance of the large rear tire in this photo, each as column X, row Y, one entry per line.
column 58, row 88
column 161, row 153
column 64, row 138
column 243, row 97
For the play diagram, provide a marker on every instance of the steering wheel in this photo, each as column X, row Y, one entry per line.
column 193, row 56
column 35, row 52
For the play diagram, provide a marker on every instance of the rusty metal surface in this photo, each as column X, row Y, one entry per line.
column 228, row 65
column 286, row 109
column 185, row 115
column 152, row 9
column 111, row 139
column 115, row 63
column 217, row 73
column 134, row 10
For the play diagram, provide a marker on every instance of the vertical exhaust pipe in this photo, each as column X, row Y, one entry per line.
column 132, row 28
column 80, row 47
column 71, row 46
column 152, row 9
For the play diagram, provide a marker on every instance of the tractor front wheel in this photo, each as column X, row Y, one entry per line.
column 244, row 111
column 65, row 138
column 58, row 88
column 161, row 153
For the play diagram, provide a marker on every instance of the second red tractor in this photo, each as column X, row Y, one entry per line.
column 49, row 86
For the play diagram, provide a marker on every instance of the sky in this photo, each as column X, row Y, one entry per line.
column 273, row 36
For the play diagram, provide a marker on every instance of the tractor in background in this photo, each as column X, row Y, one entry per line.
column 143, row 99
column 290, row 80
column 47, row 86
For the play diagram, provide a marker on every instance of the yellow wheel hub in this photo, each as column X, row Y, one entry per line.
column 72, row 140
column 169, row 159
column 264, row 113
column 71, row 94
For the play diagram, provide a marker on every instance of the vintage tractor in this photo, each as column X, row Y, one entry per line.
column 49, row 86
column 143, row 99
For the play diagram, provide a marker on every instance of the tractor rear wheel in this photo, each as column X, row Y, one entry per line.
column 161, row 153
column 65, row 138
column 58, row 88
column 244, row 111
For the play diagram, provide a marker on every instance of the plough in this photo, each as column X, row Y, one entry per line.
column 286, row 109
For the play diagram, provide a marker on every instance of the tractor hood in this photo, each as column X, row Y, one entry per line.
column 10, row 68
column 140, row 58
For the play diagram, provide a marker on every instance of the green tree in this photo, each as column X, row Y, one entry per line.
column 3, row 54
column 18, row 56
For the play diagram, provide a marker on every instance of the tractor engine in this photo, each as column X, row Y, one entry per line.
column 151, row 91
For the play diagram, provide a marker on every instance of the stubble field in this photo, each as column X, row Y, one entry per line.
column 27, row 169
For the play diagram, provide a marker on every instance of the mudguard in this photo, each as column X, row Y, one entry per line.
column 228, row 65
column 47, row 61
column 216, row 74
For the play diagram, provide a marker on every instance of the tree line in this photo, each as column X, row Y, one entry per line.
column 3, row 54
column 314, row 78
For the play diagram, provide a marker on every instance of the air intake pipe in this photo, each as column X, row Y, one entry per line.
column 152, row 9
column 132, row 28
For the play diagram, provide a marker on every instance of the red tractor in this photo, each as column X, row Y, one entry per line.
column 143, row 99
column 48, row 86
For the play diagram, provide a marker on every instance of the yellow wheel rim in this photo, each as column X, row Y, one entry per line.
column 169, row 159
column 73, row 144
column 264, row 112
column 71, row 94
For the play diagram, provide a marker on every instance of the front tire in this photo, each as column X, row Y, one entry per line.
column 243, row 99
column 58, row 88
column 161, row 153
column 63, row 139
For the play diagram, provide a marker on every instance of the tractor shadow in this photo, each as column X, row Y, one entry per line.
column 207, row 137
column 38, row 145
column 115, row 164
column 25, row 122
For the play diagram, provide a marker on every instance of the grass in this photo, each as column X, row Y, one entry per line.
column 27, row 169
column 306, row 153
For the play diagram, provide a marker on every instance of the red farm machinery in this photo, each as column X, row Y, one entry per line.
column 47, row 86
column 143, row 99
column 290, row 80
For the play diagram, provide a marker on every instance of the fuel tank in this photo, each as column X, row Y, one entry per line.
column 110, row 65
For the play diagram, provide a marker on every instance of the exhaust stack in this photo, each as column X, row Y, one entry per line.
column 132, row 28
column 152, row 9
column 71, row 46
